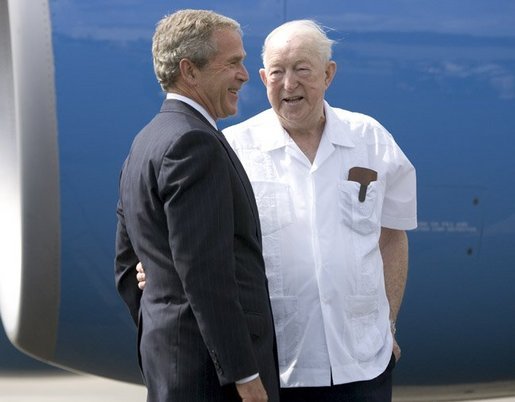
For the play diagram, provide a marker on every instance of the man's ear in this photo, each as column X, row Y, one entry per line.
column 262, row 74
column 330, row 71
column 188, row 71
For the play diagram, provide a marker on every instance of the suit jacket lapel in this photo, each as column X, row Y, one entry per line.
column 178, row 106
column 243, row 177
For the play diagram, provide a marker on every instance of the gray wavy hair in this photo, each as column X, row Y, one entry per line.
column 186, row 34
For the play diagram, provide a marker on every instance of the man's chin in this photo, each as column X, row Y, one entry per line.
column 231, row 111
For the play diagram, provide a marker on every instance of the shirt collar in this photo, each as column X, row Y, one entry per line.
column 193, row 104
column 336, row 132
column 275, row 136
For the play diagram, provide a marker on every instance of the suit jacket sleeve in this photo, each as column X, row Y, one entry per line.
column 196, row 189
column 125, row 267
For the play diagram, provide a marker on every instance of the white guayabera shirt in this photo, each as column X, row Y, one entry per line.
column 320, row 242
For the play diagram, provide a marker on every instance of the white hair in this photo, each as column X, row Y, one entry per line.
column 308, row 29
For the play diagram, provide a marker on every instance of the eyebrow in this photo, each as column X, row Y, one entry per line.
column 238, row 57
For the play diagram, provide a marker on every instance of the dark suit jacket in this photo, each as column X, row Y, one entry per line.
column 187, row 212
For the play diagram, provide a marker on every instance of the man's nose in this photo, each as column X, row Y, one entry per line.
column 290, row 80
column 243, row 74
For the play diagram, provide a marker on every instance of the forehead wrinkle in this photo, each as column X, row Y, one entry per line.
column 284, row 44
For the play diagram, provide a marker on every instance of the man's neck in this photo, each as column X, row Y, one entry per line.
column 194, row 104
column 308, row 139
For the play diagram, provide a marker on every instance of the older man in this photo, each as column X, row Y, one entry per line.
column 187, row 211
column 335, row 195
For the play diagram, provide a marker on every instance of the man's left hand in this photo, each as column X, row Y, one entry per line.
column 396, row 350
column 140, row 276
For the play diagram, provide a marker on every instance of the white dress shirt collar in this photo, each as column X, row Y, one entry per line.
column 193, row 104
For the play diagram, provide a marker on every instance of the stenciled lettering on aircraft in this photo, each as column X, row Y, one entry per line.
column 446, row 226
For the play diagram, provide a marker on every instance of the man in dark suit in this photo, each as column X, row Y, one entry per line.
column 187, row 212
